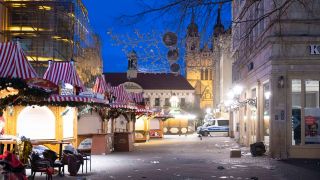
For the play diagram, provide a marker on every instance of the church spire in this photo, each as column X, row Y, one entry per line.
column 193, row 16
column 193, row 27
column 218, row 27
column 219, row 16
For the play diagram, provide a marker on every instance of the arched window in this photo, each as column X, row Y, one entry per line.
column 36, row 122
column 206, row 74
column 210, row 74
column 202, row 74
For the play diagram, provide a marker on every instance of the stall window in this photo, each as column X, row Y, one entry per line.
column 68, row 117
column 36, row 122
column 296, row 111
column 312, row 112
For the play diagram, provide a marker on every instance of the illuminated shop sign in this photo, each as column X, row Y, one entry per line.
column 315, row 49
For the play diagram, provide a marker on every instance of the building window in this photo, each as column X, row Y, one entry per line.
column 182, row 102
column 147, row 100
column 312, row 112
column 266, row 112
column 210, row 74
column 166, row 102
column 157, row 102
column 310, row 122
column 202, row 74
column 296, row 111
column 206, row 74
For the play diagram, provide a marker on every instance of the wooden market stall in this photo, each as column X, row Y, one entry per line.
column 46, row 119
column 178, row 122
column 156, row 127
column 93, row 125
column 142, row 123
column 122, row 117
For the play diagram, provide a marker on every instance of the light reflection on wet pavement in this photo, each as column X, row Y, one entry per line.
column 189, row 158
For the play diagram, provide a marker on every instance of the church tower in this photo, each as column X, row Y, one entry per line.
column 132, row 65
column 193, row 38
column 199, row 66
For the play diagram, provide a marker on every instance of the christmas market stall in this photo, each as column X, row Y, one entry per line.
column 16, row 87
column 48, row 120
column 93, row 125
column 143, row 118
column 121, row 118
column 179, row 122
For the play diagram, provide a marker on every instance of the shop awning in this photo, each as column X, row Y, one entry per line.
column 63, row 71
column 123, row 106
column 76, row 99
column 100, row 85
column 143, row 109
column 14, row 63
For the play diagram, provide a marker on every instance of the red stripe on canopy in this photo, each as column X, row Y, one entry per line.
column 72, row 98
column 63, row 71
column 14, row 63
column 122, row 96
column 137, row 97
column 100, row 85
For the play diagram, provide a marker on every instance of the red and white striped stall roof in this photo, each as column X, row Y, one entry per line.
column 137, row 97
column 122, row 96
column 63, row 71
column 14, row 63
column 100, row 85
column 73, row 98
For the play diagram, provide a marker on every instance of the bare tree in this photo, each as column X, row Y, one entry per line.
column 205, row 11
column 176, row 15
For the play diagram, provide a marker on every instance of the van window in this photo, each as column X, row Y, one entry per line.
column 223, row 123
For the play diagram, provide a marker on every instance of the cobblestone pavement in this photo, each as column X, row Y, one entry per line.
column 189, row 158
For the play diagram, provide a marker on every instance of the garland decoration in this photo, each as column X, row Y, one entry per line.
column 25, row 93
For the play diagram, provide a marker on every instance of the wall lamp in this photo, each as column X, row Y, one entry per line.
column 281, row 82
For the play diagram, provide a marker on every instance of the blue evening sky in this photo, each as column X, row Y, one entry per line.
column 103, row 17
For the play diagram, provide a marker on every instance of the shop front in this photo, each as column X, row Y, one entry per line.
column 303, row 134
column 280, row 105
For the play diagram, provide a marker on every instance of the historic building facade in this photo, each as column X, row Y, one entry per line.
column 277, row 61
column 170, row 96
column 203, row 69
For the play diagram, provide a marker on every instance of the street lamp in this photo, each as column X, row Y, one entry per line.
column 237, row 90
column 174, row 101
column 267, row 95
column 208, row 110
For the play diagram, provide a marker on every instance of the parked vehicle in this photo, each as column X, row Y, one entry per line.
column 213, row 126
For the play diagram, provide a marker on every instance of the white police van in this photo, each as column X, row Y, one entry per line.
column 214, row 127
